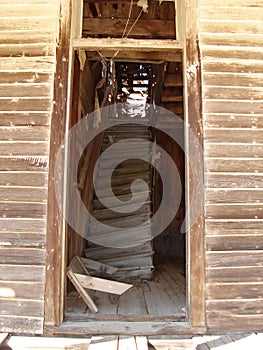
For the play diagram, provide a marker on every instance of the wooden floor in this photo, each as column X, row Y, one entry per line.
column 230, row 341
column 161, row 298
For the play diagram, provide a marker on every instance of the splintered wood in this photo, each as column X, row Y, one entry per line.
column 80, row 278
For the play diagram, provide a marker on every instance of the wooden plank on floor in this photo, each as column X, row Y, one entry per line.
column 103, row 285
column 132, row 302
column 104, row 342
column 127, row 343
column 26, row 343
column 3, row 337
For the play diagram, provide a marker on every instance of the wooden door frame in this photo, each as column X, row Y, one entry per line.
column 69, row 39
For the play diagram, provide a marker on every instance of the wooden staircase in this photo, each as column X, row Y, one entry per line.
column 134, row 259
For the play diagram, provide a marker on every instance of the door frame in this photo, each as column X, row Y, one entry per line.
column 69, row 40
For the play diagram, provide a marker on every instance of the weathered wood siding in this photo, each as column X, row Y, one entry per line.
column 231, row 50
column 27, row 49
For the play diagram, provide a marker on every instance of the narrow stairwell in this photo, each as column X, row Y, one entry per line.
column 134, row 260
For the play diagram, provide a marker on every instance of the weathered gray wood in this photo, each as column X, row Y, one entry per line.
column 233, row 121
column 32, row 240
column 235, row 258
column 225, row 164
column 23, row 163
column 23, row 149
column 36, row 10
column 27, row 273
column 21, row 324
column 230, row 13
column 26, row 104
column 25, row 90
column 25, row 119
column 23, row 210
column 23, row 194
column 23, row 256
column 99, row 267
column 232, row 226
column 234, row 135
column 234, row 211
column 34, row 179
column 22, row 225
column 22, row 307
column 131, row 328
column 22, row 290
column 102, row 285
column 27, row 64
column 234, row 274
column 234, row 180
column 25, row 77
column 231, row 195
column 82, row 292
column 44, row 49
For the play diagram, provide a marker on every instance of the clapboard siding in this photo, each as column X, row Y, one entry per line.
column 28, row 46
column 232, row 71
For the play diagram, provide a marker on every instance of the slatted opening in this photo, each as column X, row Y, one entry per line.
column 154, row 266
column 118, row 19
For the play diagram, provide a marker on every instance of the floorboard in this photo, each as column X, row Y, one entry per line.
column 160, row 297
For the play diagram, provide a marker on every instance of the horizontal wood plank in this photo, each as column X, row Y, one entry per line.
column 24, row 133
column 27, row 273
column 21, row 324
column 233, row 121
column 234, row 274
column 155, row 28
column 232, row 93
column 235, row 258
column 27, row 50
column 39, row 24
column 228, row 26
column 234, row 164
column 28, row 10
column 234, row 211
column 232, row 180
column 24, row 163
column 25, row 119
column 24, row 256
column 25, row 90
column 241, row 3
column 234, row 291
column 231, row 39
column 26, row 104
column 23, row 149
column 31, row 179
column 234, row 242
column 233, row 79
column 231, row 13
column 240, row 195
column 26, row 78
column 22, row 210
column 27, row 64
column 22, row 225
column 232, row 226
column 232, row 106
column 231, row 135
column 241, row 307
column 22, row 307
column 232, row 66
column 23, row 194
column 22, row 290
column 231, row 52
column 28, row 36
column 228, row 322
column 230, row 150
column 30, row 240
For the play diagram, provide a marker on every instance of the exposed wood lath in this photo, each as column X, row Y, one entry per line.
column 117, row 19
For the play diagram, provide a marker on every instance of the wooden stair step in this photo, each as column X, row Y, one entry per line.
column 122, row 179
column 98, row 205
column 140, row 168
column 110, row 214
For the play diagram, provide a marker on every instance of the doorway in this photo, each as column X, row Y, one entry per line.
column 154, row 266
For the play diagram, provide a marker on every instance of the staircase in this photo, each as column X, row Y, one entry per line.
column 136, row 260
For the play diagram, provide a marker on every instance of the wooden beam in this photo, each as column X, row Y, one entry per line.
column 126, row 44
column 55, row 246
column 196, row 250
column 145, row 28
column 120, row 327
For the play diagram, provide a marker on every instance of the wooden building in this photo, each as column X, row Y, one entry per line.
column 208, row 58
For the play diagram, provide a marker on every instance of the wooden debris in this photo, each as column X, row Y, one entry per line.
column 102, row 285
column 98, row 266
